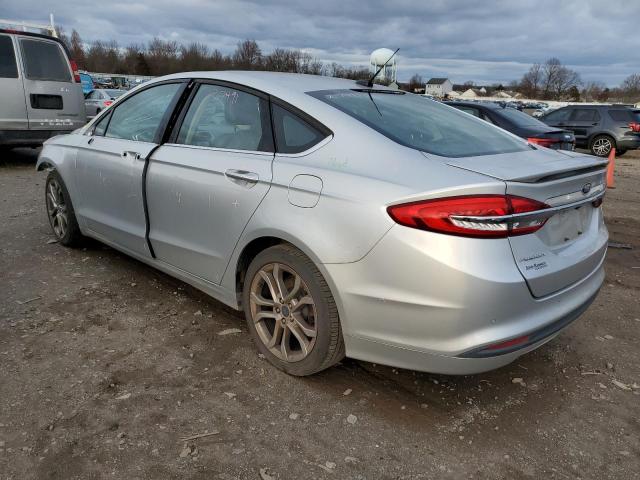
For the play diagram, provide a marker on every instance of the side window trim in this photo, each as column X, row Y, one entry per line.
column 195, row 85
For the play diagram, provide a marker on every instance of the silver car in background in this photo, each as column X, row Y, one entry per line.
column 342, row 219
column 99, row 99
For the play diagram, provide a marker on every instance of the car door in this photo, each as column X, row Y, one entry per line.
column 557, row 118
column 54, row 100
column 110, row 165
column 13, row 115
column 204, row 185
column 582, row 122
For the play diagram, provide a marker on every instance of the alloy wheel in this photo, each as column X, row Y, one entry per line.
column 602, row 147
column 284, row 312
column 57, row 209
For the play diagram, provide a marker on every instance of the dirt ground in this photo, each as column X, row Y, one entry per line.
column 106, row 365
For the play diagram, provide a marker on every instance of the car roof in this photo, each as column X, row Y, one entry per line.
column 290, row 87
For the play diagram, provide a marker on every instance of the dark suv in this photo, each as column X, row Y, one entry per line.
column 599, row 127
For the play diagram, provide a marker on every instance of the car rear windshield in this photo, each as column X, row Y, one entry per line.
column 519, row 118
column 625, row 115
column 44, row 60
column 420, row 123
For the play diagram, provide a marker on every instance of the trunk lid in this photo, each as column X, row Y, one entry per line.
column 572, row 243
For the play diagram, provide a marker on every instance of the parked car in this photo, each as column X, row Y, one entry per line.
column 341, row 219
column 99, row 99
column 520, row 124
column 40, row 91
column 599, row 127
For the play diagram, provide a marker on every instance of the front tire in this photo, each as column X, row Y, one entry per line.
column 601, row 145
column 291, row 313
column 619, row 153
column 60, row 212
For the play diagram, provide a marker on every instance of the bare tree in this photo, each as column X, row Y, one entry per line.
column 416, row 82
column 630, row 88
column 558, row 79
column 247, row 56
column 531, row 82
column 77, row 50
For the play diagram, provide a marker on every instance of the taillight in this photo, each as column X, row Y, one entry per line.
column 543, row 142
column 635, row 127
column 76, row 73
column 106, row 103
column 478, row 216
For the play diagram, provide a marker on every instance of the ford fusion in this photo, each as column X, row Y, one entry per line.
column 342, row 219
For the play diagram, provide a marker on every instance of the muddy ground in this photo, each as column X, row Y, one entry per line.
column 106, row 364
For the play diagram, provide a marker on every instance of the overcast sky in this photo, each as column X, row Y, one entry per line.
column 482, row 41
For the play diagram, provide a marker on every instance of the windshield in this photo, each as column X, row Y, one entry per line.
column 417, row 122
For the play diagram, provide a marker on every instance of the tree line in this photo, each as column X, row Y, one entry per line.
column 550, row 80
column 161, row 57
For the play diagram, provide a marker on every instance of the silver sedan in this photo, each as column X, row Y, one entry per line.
column 342, row 219
column 97, row 100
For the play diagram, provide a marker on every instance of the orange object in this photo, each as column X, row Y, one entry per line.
column 611, row 183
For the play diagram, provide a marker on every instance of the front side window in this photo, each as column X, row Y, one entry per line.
column 101, row 126
column 222, row 117
column 585, row 115
column 293, row 134
column 561, row 115
column 139, row 117
column 471, row 111
column 44, row 60
column 422, row 124
column 8, row 68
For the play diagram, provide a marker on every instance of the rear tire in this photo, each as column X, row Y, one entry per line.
column 60, row 212
column 601, row 145
column 291, row 313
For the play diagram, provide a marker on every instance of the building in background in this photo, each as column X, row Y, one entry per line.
column 438, row 87
column 378, row 58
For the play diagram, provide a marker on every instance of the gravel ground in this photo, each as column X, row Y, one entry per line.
column 106, row 365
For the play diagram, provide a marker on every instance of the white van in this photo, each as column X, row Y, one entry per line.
column 40, row 91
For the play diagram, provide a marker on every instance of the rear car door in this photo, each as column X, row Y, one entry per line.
column 13, row 109
column 582, row 122
column 110, row 165
column 204, row 185
column 53, row 96
column 557, row 118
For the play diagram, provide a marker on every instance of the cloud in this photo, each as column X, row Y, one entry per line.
column 464, row 39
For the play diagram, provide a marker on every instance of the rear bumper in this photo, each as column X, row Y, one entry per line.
column 427, row 302
column 627, row 143
column 28, row 138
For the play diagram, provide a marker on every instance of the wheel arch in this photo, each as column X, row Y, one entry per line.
column 233, row 278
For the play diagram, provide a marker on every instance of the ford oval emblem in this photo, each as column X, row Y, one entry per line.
column 586, row 188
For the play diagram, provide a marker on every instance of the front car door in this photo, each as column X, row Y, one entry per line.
column 204, row 185
column 582, row 122
column 110, row 165
column 14, row 107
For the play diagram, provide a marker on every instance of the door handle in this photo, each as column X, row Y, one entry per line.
column 130, row 154
column 242, row 177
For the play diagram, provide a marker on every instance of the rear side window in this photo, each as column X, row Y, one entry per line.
column 222, row 117
column 585, row 115
column 8, row 68
column 471, row 111
column 44, row 61
column 622, row 115
column 139, row 117
column 293, row 134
